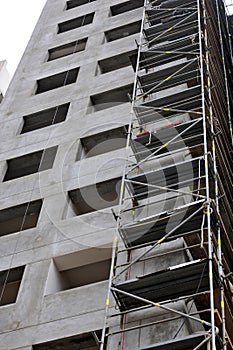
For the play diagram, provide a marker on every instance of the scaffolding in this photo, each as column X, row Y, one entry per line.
column 177, row 184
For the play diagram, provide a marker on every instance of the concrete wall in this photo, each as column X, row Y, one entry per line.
column 37, row 317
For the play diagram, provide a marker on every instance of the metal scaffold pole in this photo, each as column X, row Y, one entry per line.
column 122, row 190
column 203, row 38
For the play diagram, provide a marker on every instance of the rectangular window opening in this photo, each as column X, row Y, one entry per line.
column 78, row 269
column 116, row 62
column 45, row 118
column 103, row 142
column 83, row 341
column 75, row 3
column 30, row 163
column 20, row 217
column 95, row 197
column 75, row 23
column 10, row 281
column 110, row 98
column 126, row 6
column 57, row 80
column 67, row 49
column 123, row 31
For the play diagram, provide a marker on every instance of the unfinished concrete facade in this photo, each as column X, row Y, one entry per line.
column 77, row 269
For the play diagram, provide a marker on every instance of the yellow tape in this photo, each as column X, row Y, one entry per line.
column 168, row 52
column 168, row 78
column 165, row 145
column 206, row 163
column 156, row 304
column 166, row 109
column 210, row 275
column 170, row 29
column 107, row 302
column 161, row 240
column 222, row 303
column 219, row 241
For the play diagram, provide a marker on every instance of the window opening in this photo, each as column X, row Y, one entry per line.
column 10, row 281
column 45, row 118
column 75, row 23
column 20, row 217
column 57, row 80
column 67, row 49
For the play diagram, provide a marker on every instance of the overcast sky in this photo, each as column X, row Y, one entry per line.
column 17, row 21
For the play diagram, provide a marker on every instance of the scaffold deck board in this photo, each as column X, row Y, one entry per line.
column 166, row 285
column 154, row 228
column 185, row 343
column 174, row 177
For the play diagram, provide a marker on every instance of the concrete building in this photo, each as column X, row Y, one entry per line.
column 116, row 191
column 4, row 78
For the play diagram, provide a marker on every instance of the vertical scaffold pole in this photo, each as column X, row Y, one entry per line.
column 220, row 268
column 202, row 37
column 122, row 189
column 224, row 71
column 107, row 303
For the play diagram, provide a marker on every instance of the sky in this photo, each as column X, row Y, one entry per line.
column 17, row 21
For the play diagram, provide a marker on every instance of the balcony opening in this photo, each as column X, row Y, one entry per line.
column 75, row 3
column 110, row 98
column 75, row 23
column 126, row 6
column 78, row 269
column 57, row 80
column 84, row 341
column 116, row 62
column 30, row 163
column 20, row 217
column 102, row 142
column 95, row 197
column 67, row 49
column 10, row 281
column 45, row 118
column 123, row 31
